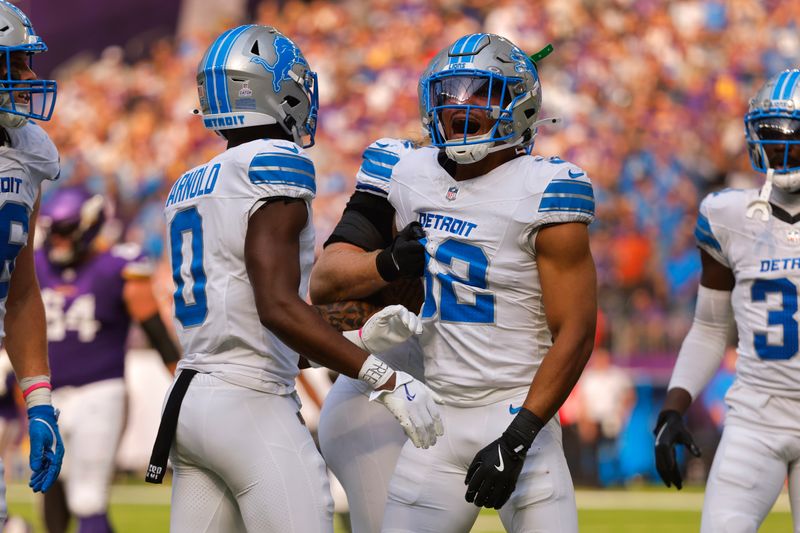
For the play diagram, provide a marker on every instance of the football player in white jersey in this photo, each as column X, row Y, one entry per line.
column 27, row 157
column 510, row 299
column 362, row 268
column 748, row 242
column 242, row 244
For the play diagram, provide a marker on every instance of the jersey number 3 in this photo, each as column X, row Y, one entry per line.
column 777, row 317
column 186, row 241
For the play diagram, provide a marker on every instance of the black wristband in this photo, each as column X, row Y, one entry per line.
column 388, row 269
column 522, row 430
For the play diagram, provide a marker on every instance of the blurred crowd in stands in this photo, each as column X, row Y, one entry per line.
column 652, row 96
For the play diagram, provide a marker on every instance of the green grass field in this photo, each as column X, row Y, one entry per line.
column 145, row 509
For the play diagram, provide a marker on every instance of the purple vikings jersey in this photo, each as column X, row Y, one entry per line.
column 87, row 319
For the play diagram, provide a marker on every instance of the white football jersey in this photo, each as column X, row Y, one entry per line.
column 30, row 159
column 485, row 332
column 207, row 214
column 765, row 260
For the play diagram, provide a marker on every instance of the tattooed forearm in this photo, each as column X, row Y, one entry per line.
column 346, row 316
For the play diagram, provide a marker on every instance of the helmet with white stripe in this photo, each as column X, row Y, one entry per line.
column 772, row 129
column 254, row 75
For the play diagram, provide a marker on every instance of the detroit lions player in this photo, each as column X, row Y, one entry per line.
column 748, row 242
column 241, row 243
column 90, row 297
column 510, row 296
column 27, row 157
column 363, row 261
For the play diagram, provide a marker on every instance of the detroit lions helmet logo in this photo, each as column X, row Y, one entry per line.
column 523, row 62
column 286, row 55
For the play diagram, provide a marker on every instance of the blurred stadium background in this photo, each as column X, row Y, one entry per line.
column 652, row 94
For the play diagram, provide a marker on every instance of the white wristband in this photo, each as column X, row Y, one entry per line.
column 36, row 390
column 375, row 372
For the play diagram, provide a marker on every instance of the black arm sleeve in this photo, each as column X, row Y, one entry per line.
column 157, row 334
column 367, row 222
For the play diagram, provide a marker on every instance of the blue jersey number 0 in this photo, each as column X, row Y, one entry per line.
column 474, row 263
column 783, row 317
column 186, row 231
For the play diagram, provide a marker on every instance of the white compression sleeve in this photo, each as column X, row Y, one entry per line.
column 704, row 346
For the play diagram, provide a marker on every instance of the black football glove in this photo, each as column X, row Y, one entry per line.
column 405, row 257
column 492, row 476
column 670, row 431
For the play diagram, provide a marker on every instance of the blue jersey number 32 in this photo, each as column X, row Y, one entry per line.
column 473, row 263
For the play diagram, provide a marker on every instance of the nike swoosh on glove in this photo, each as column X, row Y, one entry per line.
column 47, row 448
column 386, row 329
column 670, row 431
column 414, row 406
column 492, row 475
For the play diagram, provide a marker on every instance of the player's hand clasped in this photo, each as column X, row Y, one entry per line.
column 669, row 431
column 47, row 449
column 405, row 257
column 492, row 476
column 410, row 401
column 386, row 329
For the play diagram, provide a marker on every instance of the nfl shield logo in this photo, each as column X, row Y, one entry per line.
column 452, row 192
column 793, row 236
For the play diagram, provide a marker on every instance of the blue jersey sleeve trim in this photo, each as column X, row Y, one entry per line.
column 704, row 235
column 282, row 169
column 361, row 186
column 376, row 171
column 379, row 163
column 381, row 156
column 568, row 196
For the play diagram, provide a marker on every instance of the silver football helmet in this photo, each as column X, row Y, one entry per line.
column 772, row 129
column 481, row 73
column 21, row 99
column 254, row 75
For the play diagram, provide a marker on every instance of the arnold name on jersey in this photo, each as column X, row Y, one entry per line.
column 193, row 183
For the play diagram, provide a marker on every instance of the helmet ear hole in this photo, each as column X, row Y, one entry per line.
column 291, row 100
column 530, row 112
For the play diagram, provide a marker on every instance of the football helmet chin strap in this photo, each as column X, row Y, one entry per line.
column 472, row 153
column 788, row 182
column 760, row 206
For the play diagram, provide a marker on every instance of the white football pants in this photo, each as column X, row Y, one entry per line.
column 243, row 461
column 426, row 493
column 760, row 447
column 361, row 441
column 91, row 422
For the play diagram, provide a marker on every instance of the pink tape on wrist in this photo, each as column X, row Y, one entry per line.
column 360, row 330
column 35, row 386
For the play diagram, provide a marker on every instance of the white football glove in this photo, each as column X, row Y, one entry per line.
column 386, row 329
column 411, row 402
